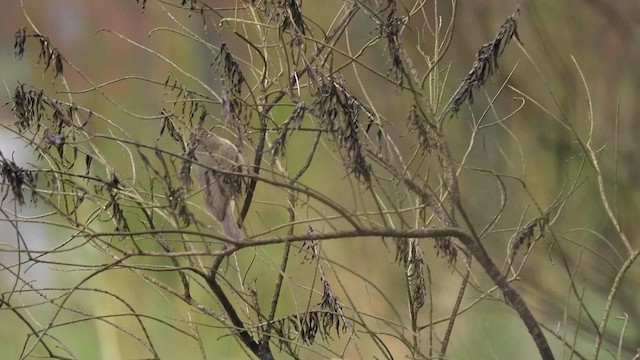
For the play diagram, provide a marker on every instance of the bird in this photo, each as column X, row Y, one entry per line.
column 217, row 157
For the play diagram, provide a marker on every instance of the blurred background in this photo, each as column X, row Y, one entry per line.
column 564, row 41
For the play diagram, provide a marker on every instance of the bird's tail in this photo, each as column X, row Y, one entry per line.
column 230, row 226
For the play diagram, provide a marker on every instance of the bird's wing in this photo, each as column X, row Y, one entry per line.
column 217, row 200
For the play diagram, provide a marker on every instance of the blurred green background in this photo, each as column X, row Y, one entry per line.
column 602, row 37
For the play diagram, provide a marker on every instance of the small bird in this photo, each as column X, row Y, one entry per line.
column 217, row 157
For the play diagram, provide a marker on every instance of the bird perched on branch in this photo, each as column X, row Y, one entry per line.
column 219, row 159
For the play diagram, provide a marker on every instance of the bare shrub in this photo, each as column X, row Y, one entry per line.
column 373, row 219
